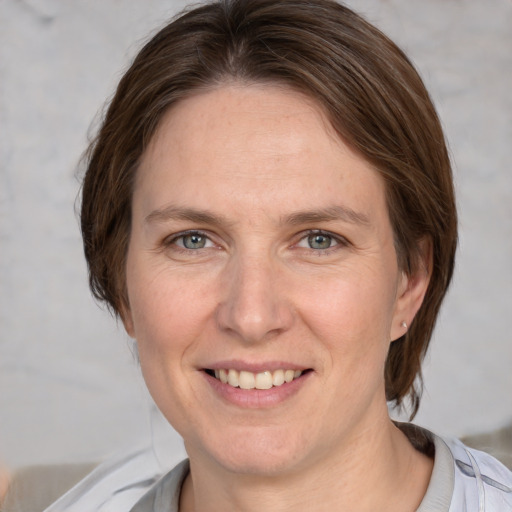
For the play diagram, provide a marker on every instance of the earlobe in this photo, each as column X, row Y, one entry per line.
column 411, row 291
column 126, row 318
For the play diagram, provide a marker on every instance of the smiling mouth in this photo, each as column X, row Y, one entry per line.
column 261, row 380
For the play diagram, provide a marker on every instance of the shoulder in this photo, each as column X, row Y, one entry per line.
column 481, row 482
column 115, row 486
column 463, row 479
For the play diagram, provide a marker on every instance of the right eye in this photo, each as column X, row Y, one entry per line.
column 192, row 241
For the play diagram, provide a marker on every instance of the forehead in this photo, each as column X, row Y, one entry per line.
column 267, row 120
column 259, row 146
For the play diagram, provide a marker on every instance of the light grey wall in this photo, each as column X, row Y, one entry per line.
column 69, row 389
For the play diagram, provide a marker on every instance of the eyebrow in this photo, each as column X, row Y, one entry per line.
column 329, row 214
column 190, row 214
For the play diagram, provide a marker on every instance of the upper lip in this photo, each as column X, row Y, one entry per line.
column 255, row 367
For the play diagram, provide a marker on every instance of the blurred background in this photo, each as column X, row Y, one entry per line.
column 70, row 390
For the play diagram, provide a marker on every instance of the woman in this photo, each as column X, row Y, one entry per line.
column 269, row 209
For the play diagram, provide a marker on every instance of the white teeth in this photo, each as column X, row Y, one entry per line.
column 288, row 375
column 278, row 378
column 246, row 380
column 233, row 378
column 262, row 380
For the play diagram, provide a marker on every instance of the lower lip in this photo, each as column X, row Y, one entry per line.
column 257, row 398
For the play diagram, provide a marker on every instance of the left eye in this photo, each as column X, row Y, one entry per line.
column 318, row 241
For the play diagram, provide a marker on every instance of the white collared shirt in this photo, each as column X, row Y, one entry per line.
column 463, row 480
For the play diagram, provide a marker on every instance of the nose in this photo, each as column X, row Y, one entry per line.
column 254, row 305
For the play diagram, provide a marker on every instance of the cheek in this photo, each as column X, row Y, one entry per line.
column 168, row 316
column 352, row 317
column 349, row 303
column 169, row 310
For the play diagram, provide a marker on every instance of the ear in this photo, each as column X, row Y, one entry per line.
column 127, row 319
column 411, row 290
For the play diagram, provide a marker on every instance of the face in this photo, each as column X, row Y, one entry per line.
column 262, row 281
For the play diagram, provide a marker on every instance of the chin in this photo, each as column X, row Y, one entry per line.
column 262, row 451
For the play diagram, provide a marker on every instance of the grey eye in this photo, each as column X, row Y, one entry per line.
column 194, row 241
column 319, row 241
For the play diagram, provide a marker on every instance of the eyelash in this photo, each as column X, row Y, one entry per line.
column 180, row 236
column 339, row 241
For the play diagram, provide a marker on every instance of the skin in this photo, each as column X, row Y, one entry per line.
column 256, row 158
column 4, row 483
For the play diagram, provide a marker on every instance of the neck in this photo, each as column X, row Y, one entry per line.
column 376, row 470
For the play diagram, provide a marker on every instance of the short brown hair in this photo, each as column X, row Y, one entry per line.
column 373, row 96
